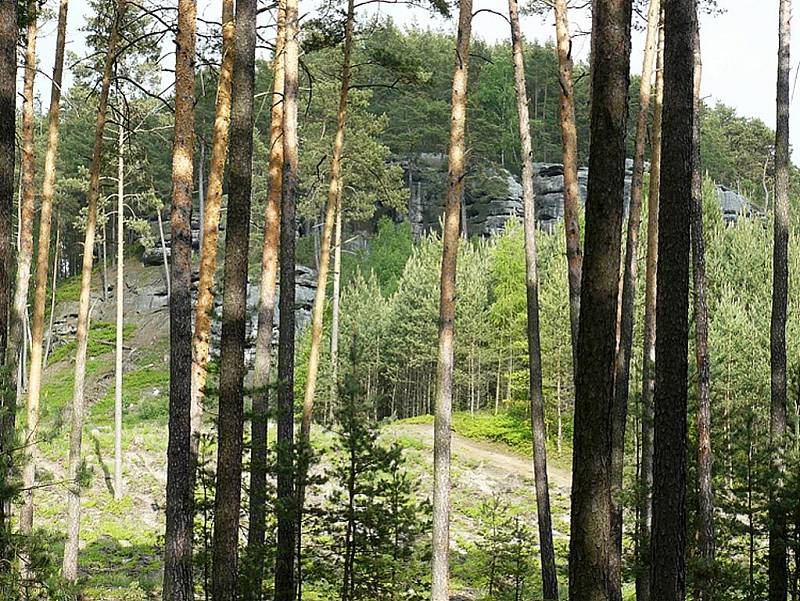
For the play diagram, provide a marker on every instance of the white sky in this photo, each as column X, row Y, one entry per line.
column 739, row 48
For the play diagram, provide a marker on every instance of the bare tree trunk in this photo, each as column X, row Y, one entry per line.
column 645, row 500
column 285, row 499
column 623, row 357
column 440, row 585
column 19, row 308
column 335, row 301
column 178, row 582
column 167, row 277
column 120, row 297
column 230, row 421
column 544, row 521
column 210, row 225
column 572, row 195
column 266, row 313
column 704, row 579
column 56, row 257
column 668, row 547
column 71, row 546
column 780, row 278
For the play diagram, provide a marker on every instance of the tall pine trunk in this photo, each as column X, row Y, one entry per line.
column 230, row 421
column 120, row 316
column 645, row 500
column 590, row 539
column 668, row 546
column 178, row 585
column 440, row 585
column 704, row 579
column 780, row 285
column 266, row 313
column 210, row 224
column 627, row 310
column 19, row 308
column 71, row 546
column 547, row 551
column 572, row 195
column 336, row 307
column 285, row 503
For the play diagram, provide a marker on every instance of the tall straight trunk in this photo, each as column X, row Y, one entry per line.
column 120, row 298
column 547, row 551
column 210, row 224
column 56, row 258
column 645, row 500
column 178, row 584
column 336, row 302
column 572, row 194
column 780, row 284
column 71, row 546
column 230, row 421
column 668, row 545
column 266, row 313
column 164, row 257
column 285, row 499
column 705, row 528
column 8, row 115
column 19, row 308
column 627, row 310
column 590, row 539
column 440, row 585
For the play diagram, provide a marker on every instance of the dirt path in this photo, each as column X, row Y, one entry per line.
column 490, row 456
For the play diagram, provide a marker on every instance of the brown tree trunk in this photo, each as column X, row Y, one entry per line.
column 266, row 313
column 120, row 315
column 178, row 585
column 590, row 539
column 19, row 308
column 645, row 501
column 71, row 546
column 547, row 551
column 572, row 194
column 440, row 585
column 285, row 499
column 668, row 546
column 704, row 579
column 626, row 309
column 230, row 421
column 210, row 224
column 780, row 278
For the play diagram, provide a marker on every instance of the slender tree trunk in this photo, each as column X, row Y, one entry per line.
column 440, row 585
column 178, row 582
column 627, row 310
column 645, row 500
column 572, row 194
column 285, row 501
column 56, row 257
column 590, row 539
column 210, row 224
column 167, row 277
column 705, row 531
column 544, row 521
column 668, row 547
column 780, row 278
column 120, row 297
column 71, row 546
column 266, row 312
column 19, row 308
column 335, row 301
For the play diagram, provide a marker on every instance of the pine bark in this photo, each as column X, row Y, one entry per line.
column 590, row 539
column 572, row 195
column 120, row 316
column 285, row 505
column 210, row 225
column 71, row 545
column 645, row 500
column 178, row 584
column 230, row 421
column 544, row 519
column 780, row 284
column 668, row 547
column 266, row 313
column 627, row 310
column 19, row 308
column 706, row 544
column 440, row 585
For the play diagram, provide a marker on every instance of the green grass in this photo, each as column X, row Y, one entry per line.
column 102, row 337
